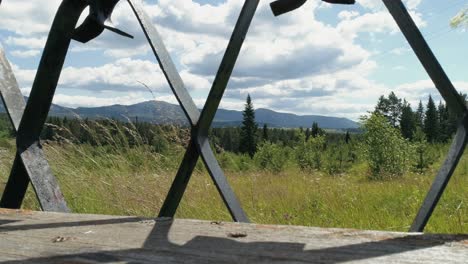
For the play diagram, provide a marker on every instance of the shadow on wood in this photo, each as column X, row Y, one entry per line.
column 108, row 239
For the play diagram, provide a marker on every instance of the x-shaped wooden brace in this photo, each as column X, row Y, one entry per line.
column 200, row 122
column 454, row 101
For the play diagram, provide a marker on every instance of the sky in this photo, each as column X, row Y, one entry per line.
column 321, row 59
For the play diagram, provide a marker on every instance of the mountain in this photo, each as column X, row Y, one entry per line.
column 159, row 112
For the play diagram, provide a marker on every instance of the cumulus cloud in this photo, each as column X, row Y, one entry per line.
column 415, row 91
column 25, row 53
column 74, row 101
column 293, row 63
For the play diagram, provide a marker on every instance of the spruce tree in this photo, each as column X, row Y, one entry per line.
column 248, row 140
column 316, row 130
column 395, row 109
column 347, row 137
column 443, row 114
column 407, row 122
column 265, row 132
column 420, row 115
column 307, row 134
column 390, row 107
column 431, row 122
column 383, row 106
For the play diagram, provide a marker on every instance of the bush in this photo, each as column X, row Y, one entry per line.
column 387, row 152
column 271, row 157
column 309, row 153
column 421, row 160
column 338, row 158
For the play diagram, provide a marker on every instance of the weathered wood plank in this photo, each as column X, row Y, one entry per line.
column 32, row 237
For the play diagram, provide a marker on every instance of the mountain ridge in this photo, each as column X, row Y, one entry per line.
column 160, row 112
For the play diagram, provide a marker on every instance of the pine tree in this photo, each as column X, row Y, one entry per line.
column 248, row 140
column 431, row 122
column 420, row 115
column 383, row 106
column 390, row 107
column 307, row 134
column 407, row 122
column 315, row 130
column 347, row 137
column 395, row 109
column 443, row 114
column 265, row 132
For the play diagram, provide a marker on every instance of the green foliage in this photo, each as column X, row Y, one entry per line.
column 461, row 19
column 265, row 132
column 271, row 157
column 97, row 175
column 248, row 140
column 316, row 130
column 438, row 123
column 422, row 160
column 390, row 107
column 419, row 115
column 431, row 123
column 309, row 153
column 387, row 152
column 347, row 137
column 408, row 121
column 6, row 130
column 339, row 157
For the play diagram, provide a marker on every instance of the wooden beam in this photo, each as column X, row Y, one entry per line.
column 46, row 237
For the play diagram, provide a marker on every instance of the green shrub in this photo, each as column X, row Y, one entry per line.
column 309, row 153
column 337, row 158
column 271, row 157
column 387, row 152
column 421, row 160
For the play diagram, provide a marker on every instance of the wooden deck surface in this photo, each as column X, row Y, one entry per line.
column 37, row 237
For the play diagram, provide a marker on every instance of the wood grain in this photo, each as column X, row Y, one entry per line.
column 39, row 237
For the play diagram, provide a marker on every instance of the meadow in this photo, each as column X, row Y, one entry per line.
column 119, row 179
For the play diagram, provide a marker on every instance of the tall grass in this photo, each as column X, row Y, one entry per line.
column 113, row 178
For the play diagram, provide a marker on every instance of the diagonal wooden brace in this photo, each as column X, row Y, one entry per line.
column 14, row 104
column 443, row 177
column 200, row 122
column 46, row 187
column 30, row 161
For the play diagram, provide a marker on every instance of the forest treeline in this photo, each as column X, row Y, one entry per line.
column 394, row 140
column 437, row 122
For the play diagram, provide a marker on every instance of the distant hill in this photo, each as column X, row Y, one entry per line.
column 159, row 112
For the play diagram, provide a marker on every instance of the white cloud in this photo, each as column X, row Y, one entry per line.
column 27, row 18
column 378, row 5
column 400, row 51
column 419, row 90
column 292, row 63
column 74, row 101
column 25, row 53
column 346, row 15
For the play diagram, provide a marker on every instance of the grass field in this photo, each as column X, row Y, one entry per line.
column 134, row 181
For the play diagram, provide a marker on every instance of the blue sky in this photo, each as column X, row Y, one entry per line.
column 321, row 59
